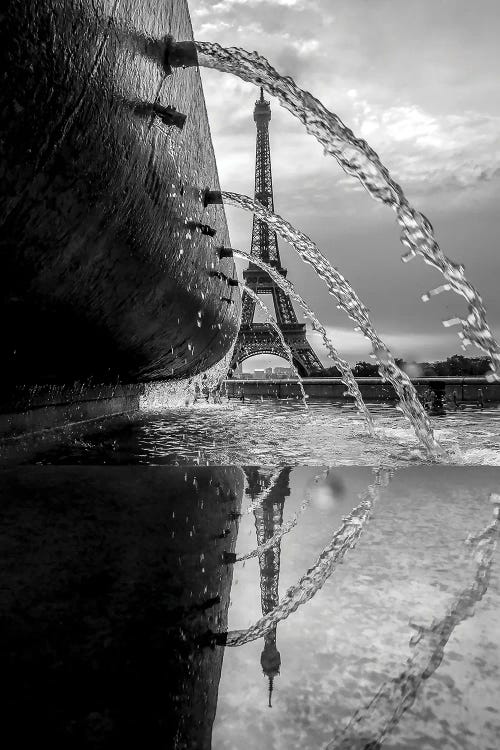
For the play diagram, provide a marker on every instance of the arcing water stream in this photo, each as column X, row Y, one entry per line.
column 347, row 376
column 348, row 301
column 358, row 159
column 277, row 329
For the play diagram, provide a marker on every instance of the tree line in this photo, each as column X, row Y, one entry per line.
column 457, row 365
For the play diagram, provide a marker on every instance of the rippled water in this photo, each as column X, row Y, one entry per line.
column 410, row 567
column 282, row 432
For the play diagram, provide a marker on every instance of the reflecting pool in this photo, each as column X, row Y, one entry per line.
column 353, row 638
column 279, row 433
column 250, row 606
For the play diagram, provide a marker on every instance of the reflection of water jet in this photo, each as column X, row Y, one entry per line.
column 370, row 725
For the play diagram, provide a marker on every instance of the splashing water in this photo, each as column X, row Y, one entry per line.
column 358, row 159
column 370, row 725
column 347, row 376
column 182, row 392
column 348, row 301
column 270, row 321
column 343, row 539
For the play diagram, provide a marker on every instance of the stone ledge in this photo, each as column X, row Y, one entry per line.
column 31, row 411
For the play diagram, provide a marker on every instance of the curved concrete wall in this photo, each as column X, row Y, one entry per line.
column 105, row 263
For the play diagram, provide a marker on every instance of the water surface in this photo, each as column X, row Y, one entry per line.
column 337, row 650
column 281, row 433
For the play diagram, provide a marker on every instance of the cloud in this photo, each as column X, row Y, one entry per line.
column 428, row 151
column 420, row 347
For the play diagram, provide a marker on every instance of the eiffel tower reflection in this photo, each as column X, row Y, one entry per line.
column 268, row 518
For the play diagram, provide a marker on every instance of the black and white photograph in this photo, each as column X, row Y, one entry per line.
column 250, row 374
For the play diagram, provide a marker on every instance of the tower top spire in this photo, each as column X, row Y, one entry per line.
column 271, row 678
column 262, row 110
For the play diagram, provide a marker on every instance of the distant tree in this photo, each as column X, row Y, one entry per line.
column 460, row 366
column 365, row 370
column 329, row 372
column 455, row 366
column 428, row 369
column 479, row 366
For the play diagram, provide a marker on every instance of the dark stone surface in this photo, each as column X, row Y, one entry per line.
column 105, row 262
column 110, row 580
column 27, row 412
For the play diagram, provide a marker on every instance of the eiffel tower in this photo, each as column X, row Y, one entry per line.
column 260, row 338
column 268, row 518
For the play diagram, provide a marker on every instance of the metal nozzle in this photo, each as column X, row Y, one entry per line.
column 169, row 116
column 207, row 230
column 180, row 55
column 211, row 197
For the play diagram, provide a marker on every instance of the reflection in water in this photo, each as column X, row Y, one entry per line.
column 113, row 577
column 278, row 531
column 268, row 521
column 343, row 539
column 353, row 636
column 107, row 576
column 370, row 725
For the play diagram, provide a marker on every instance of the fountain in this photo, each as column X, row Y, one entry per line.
column 126, row 577
column 358, row 159
column 348, row 301
column 343, row 366
column 107, row 242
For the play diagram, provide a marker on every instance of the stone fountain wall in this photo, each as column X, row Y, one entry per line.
column 106, row 261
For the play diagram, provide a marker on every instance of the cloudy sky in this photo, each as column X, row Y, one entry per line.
column 419, row 80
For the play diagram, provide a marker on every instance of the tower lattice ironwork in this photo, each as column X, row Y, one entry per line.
column 268, row 519
column 260, row 338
